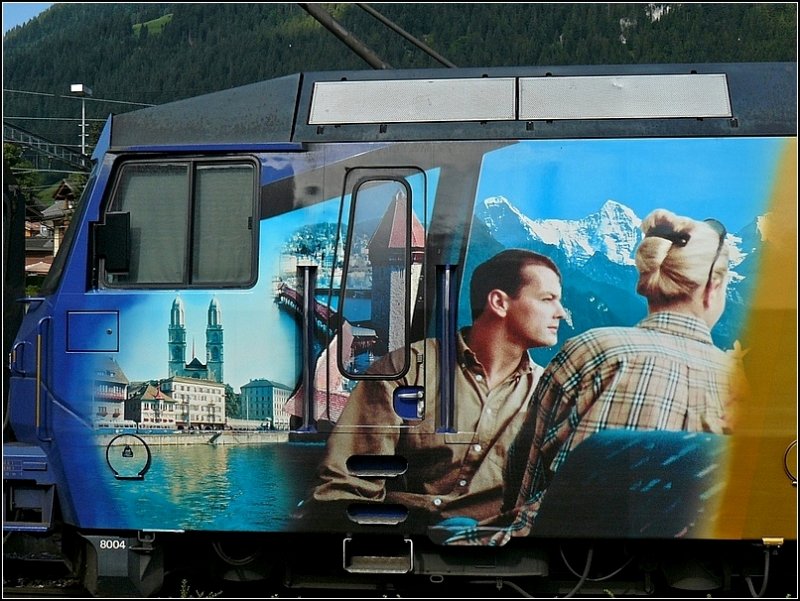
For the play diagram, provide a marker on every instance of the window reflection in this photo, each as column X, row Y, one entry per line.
column 375, row 296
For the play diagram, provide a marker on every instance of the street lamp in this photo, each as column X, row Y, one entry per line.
column 83, row 91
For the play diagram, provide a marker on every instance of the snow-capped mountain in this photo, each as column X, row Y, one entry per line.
column 613, row 231
column 595, row 255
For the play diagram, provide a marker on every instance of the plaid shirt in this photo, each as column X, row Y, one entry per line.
column 663, row 374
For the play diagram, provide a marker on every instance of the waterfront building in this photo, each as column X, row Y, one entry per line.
column 109, row 391
column 199, row 404
column 265, row 401
column 151, row 407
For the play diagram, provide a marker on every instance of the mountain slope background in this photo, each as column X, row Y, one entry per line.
column 135, row 54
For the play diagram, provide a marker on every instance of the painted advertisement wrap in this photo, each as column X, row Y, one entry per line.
column 255, row 408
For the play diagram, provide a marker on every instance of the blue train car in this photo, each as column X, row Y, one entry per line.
column 307, row 252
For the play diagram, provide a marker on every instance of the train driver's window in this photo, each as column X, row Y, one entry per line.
column 192, row 223
column 156, row 197
column 223, row 224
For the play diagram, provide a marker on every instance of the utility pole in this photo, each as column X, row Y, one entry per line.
column 83, row 91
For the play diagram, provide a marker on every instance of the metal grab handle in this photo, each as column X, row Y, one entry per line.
column 17, row 358
column 786, row 467
column 41, row 350
column 309, row 277
column 446, row 318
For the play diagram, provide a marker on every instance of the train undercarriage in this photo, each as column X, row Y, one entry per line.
column 137, row 564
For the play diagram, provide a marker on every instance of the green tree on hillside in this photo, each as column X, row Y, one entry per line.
column 25, row 173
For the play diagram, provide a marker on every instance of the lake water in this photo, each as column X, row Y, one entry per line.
column 219, row 487
column 227, row 487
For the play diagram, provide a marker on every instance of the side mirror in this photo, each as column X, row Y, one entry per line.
column 112, row 242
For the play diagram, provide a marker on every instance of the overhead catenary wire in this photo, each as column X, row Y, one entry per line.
column 52, row 118
column 86, row 98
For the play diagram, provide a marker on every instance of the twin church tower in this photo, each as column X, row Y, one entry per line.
column 212, row 369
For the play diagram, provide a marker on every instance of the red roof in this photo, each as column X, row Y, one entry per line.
column 391, row 233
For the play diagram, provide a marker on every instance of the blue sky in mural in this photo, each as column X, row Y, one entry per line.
column 697, row 178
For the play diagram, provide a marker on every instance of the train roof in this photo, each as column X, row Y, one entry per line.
column 732, row 99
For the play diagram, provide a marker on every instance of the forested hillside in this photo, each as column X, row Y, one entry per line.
column 156, row 52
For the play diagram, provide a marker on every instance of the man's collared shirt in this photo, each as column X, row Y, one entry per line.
column 449, row 474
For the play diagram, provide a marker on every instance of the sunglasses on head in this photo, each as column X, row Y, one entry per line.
column 722, row 232
column 667, row 233
column 682, row 239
